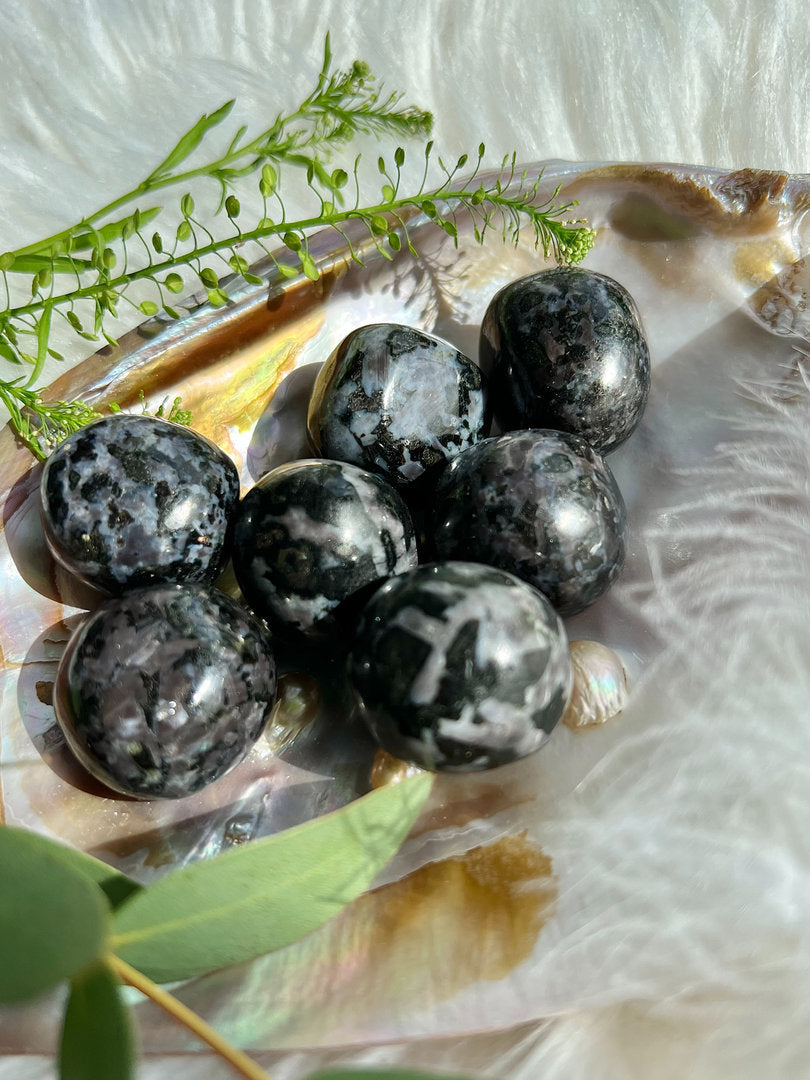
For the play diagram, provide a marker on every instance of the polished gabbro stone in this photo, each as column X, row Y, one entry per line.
column 460, row 667
column 162, row 691
column 568, row 352
column 312, row 534
column 397, row 402
column 540, row 504
column 131, row 501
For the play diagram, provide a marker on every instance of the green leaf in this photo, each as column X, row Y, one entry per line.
column 268, row 180
column 187, row 205
column 308, row 266
column 192, row 139
column 32, row 264
column 113, row 230
column 265, row 895
column 148, row 307
column 8, row 353
column 6, row 260
column 43, row 334
column 339, row 179
column 388, row 193
column 209, row 278
column 97, row 1037
column 174, row 283
column 183, row 230
column 379, row 225
column 292, row 241
column 217, row 297
column 115, row 885
column 237, row 263
column 53, row 919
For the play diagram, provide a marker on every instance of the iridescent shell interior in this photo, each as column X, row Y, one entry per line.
column 717, row 264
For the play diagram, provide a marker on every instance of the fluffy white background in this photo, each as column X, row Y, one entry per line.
column 718, row 976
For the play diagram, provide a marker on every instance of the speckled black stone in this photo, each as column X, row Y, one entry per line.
column 396, row 401
column 542, row 505
column 568, row 352
column 130, row 501
column 460, row 667
column 162, row 691
column 310, row 535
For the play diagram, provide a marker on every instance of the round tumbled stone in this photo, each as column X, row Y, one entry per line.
column 310, row 535
column 460, row 667
column 131, row 501
column 162, row 691
column 396, row 401
column 540, row 504
column 567, row 351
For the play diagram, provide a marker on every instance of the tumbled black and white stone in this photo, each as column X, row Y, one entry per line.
column 313, row 533
column 460, row 667
column 162, row 691
column 130, row 501
column 542, row 505
column 396, row 401
column 568, row 352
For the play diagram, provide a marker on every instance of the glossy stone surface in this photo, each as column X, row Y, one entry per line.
column 396, row 401
column 313, row 533
column 568, row 352
column 460, row 667
column 162, row 691
column 539, row 504
column 131, row 501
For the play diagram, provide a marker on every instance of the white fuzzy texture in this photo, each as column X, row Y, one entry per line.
column 682, row 942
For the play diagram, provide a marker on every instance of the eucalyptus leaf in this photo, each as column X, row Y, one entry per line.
column 97, row 1037
column 265, row 895
column 53, row 918
column 116, row 886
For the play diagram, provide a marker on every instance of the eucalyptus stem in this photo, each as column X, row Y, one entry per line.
column 240, row 1062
